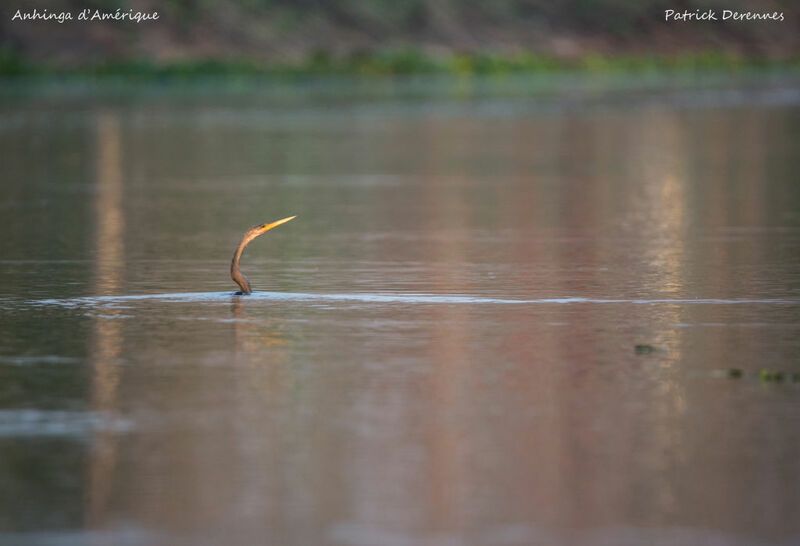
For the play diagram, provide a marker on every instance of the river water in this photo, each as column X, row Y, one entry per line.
column 508, row 312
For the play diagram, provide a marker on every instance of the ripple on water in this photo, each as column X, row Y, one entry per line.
column 20, row 360
column 37, row 423
column 397, row 298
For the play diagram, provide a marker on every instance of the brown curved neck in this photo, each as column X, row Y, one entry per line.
column 251, row 234
column 236, row 274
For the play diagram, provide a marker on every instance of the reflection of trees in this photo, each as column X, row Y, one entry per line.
column 623, row 215
column 213, row 452
column 107, row 336
column 477, row 415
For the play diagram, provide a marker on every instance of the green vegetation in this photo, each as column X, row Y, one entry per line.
column 390, row 63
column 766, row 376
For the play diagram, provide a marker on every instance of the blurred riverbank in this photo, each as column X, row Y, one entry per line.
column 460, row 37
column 396, row 63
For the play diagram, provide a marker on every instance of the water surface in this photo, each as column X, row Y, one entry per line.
column 442, row 348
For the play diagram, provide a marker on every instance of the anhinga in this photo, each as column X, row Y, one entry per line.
column 251, row 234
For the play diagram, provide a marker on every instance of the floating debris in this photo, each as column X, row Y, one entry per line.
column 765, row 375
column 769, row 376
column 647, row 349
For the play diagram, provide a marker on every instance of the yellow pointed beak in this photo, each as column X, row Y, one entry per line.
column 266, row 227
